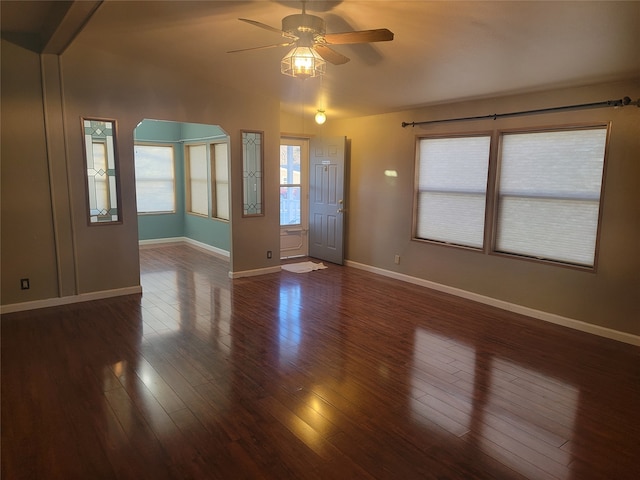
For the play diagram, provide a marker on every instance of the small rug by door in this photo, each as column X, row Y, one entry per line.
column 303, row 267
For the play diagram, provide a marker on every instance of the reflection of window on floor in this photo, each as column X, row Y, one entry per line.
column 519, row 416
column 160, row 310
column 208, row 312
column 528, row 417
column 289, row 332
column 439, row 362
column 212, row 315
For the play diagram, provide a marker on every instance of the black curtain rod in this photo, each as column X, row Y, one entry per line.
column 609, row 103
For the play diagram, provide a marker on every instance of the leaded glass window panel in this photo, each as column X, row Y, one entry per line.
column 101, row 170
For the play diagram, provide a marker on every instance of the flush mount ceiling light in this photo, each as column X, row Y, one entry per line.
column 321, row 117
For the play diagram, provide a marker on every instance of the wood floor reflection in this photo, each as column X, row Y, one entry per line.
column 333, row 374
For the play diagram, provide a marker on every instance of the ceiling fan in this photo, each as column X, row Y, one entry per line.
column 311, row 44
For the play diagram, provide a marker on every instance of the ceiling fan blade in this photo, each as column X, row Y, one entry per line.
column 330, row 55
column 263, row 47
column 266, row 27
column 362, row 36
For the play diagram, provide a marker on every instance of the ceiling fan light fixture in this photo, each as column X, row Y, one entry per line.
column 302, row 62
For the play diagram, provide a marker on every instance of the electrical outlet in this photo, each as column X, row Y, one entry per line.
column 24, row 284
column 396, row 259
column 269, row 254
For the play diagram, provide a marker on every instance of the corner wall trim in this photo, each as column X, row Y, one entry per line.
column 511, row 307
column 58, row 301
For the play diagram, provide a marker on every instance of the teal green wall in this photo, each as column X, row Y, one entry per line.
column 198, row 131
column 158, row 131
column 209, row 231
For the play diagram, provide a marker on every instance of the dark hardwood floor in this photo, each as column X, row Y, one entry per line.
column 332, row 374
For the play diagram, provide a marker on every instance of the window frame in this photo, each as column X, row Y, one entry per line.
column 298, row 144
column 174, row 178
column 496, row 192
column 187, row 178
column 210, row 181
column 214, row 184
column 493, row 190
column 416, row 187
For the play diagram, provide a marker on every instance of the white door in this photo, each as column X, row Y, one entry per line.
column 294, row 197
column 326, row 199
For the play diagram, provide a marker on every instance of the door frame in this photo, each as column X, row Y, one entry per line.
column 294, row 239
column 328, row 159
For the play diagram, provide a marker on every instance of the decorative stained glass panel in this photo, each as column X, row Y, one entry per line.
column 252, row 173
column 102, row 171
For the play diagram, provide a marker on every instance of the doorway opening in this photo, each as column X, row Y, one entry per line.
column 312, row 201
column 182, row 184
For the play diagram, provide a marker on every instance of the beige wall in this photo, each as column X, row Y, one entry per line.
column 27, row 248
column 380, row 209
column 102, row 258
column 45, row 236
column 109, row 89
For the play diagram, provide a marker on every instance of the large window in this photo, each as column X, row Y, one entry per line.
column 155, row 178
column 549, row 194
column 197, row 180
column 452, row 187
column 220, row 180
column 208, row 180
column 546, row 196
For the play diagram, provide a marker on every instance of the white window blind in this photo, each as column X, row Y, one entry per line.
column 452, row 187
column 155, row 182
column 549, row 194
column 198, row 178
column 221, row 180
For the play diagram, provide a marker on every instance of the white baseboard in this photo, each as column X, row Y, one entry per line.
column 511, row 307
column 213, row 251
column 195, row 243
column 189, row 241
column 160, row 241
column 218, row 252
column 58, row 301
column 254, row 273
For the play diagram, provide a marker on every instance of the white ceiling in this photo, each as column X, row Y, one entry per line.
column 443, row 51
